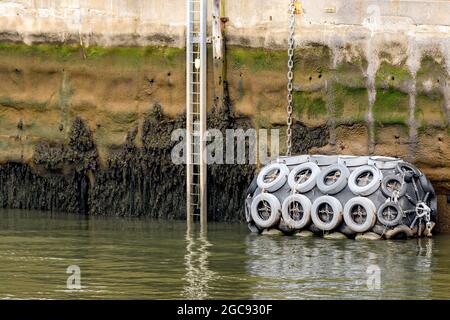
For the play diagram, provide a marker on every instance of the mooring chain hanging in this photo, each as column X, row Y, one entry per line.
column 290, row 76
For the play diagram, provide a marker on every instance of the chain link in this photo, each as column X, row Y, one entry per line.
column 290, row 77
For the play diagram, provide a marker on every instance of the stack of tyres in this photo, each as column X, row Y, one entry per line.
column 347, row 194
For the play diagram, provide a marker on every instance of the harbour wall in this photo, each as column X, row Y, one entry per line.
column 370, row 77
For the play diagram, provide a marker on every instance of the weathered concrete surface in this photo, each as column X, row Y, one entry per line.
column 251, row 22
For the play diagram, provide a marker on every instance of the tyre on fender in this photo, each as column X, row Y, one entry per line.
column 360, row 214
column 272, row 177
column 390, row 214
column 303, row 177
column 365, row 180
column 296, row 211
column 407, row 168
column 392, row 183
column 337, row 174
column 265, row 210
column 326, row 213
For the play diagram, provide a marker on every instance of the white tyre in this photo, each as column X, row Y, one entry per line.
column 272, row 177
column 322, row 160
column 360, row 214
column 292, row 161
column 265, row 210
column 385, row 163
column 296, row 211
column 365, row 180
column 303, row 177
column 326, row 213
column 333, row 179
column 352, row 161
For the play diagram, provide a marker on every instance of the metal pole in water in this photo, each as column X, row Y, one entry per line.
column 196, row 111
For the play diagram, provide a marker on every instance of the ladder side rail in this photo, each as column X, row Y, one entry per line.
column 189, row 59
column 203, row 93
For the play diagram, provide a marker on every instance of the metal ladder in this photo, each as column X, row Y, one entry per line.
column 196, row 110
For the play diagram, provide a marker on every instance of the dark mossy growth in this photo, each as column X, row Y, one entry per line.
column 136, row 181
column 227, row 183
column 391, row 107
column 59, row 179
column 142, row 181
column 304, row 138
column 81, row 151
column 22, row 188
column 312, row 104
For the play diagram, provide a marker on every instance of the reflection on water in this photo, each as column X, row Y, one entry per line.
column 318, row 268
column 198, row 274
column 148, row 259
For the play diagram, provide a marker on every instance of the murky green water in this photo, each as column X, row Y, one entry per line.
column 147, row 259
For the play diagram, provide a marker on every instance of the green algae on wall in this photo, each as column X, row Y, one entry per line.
column 132, row 57
column 391, row 107
column 310, row 104
column 256, row 59
column 389, row 75
column 350, row 104
column 430, row 110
